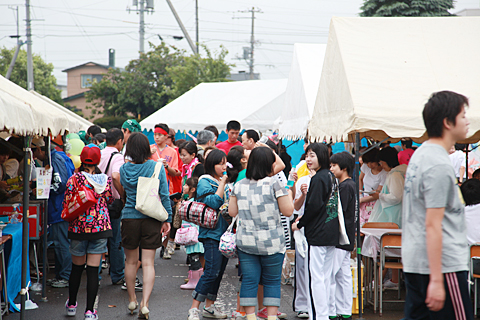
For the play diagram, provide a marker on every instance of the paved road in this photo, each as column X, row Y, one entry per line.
column 167, row 302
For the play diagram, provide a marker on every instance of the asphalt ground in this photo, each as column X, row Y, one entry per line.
column 167, row 301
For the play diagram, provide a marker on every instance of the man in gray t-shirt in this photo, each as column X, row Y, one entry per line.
column 434, row 243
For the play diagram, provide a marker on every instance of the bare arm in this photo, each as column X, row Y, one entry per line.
column 462, row 174
column 436, row 290
column 233, row 206
column 278, row 164
column 360, row 180
column 285, row 204
column 116, row 183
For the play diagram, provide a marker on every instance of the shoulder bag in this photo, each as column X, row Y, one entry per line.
column 199, row 213
column 82, row 199
column 228, row 241
column 148, row 201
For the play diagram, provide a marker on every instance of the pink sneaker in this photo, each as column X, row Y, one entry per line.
column 71, row 310
column 263, row 314
column 89, row 315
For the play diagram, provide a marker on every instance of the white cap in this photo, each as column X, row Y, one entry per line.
column 37, row 142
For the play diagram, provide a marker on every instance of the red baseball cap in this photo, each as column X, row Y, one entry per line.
column 91, row 154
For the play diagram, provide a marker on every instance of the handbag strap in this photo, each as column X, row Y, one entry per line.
column 110, row 160
column 158, row 166
column 230, row 227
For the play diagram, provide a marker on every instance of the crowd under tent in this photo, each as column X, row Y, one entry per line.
column 302, row 87
column 256, row 104
column 29, row 114
column 379, row 72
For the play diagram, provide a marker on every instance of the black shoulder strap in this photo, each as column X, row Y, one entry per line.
column 110, row 160
column 203, row 196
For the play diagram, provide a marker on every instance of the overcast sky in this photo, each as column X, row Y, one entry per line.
column 68, row 33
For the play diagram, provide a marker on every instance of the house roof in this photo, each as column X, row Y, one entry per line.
column 75, row 96
column 86, row 64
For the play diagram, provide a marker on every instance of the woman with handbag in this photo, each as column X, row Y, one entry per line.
column 210, row 191
column 90, row 230
column 260, row 238
column 137, row 228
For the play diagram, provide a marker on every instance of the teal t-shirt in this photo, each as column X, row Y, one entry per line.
column 241, row 175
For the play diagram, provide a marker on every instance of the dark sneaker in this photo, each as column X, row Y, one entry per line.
column 138, row 285
column 119, row 282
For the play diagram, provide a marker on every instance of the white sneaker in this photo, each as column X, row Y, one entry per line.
column 166, row 255
column 302, row 315
column 194, row 314
column 213, row 312
column 238, row 316
column 390, row 285
column 171, row 248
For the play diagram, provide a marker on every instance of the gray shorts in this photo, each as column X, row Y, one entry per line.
column 80, row 248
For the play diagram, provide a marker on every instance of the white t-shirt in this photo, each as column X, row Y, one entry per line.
column 298, row 193
column 458, row 160
column 372, row 181
column 472, row 219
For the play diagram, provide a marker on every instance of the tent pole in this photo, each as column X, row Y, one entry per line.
column 466, row 163
column 44, row 229
column 26, row 180
column 357, row 213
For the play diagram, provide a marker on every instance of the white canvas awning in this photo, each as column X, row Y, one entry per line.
column 379, row 72
column 302, row 88
column 23, row 112
column 255, row 104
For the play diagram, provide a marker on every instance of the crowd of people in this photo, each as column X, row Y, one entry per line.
column 246, row 179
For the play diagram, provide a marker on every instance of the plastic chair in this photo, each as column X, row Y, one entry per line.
column 389, row 241
column 381, row 225
column 368, row 279
column 474, row 255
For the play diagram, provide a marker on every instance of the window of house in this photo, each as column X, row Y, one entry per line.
column 88, row 79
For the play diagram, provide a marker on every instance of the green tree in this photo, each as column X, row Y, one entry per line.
column 157, row 77
column 195, row 70
column 45, row 81
column 406, row 8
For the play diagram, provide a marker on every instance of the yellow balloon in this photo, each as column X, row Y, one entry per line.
column 76, row 161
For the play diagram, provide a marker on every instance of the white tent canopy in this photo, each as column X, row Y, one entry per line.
column 23, row 112
column 302, row 88
column 379, row 72
column 255, row 104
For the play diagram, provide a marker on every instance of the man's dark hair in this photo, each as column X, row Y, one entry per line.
column 93, row 130
column 138, row 148
column 272, row 145
column 390, row 156
column 162, row 126
column 179, row 142
column 471, row 191
column 252, row 134
column 113, row 135
column 461, row 146
column 407, row 143
column 260, row 163
column 344, row 160
column 212, row 129
column 476, row 174
column 442, row 105
column 100, row 137
column 204, row 136
column 323, row 156
column 370, row 156
column 233, row 125
column 214, row 157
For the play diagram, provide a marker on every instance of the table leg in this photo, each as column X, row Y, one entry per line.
column 4, row 277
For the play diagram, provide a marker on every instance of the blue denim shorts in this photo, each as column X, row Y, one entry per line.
column 80, row 248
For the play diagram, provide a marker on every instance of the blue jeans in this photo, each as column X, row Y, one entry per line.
column 215, row 263
column 81, row 248
column 63, row 259
column 263, row 269
column 116, row 253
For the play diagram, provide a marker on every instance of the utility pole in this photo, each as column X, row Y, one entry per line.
column 196, row 26
column 19, row 44
column 180, row 23
column 252, row 40
column 30, row 80
column 141, row 9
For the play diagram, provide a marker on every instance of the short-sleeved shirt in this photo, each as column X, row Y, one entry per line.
column 169, row 154
column 430, row 183
column 298, row 192
column 115, row 164
column 372, row 181
column 225, row 146
column 259, row 229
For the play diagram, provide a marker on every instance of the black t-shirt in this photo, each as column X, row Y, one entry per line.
column 347, row 197
column 198, row 171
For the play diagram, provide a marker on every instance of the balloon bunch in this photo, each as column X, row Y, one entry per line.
column 73, row 148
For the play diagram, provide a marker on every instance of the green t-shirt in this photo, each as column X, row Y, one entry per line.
column 241, row 175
